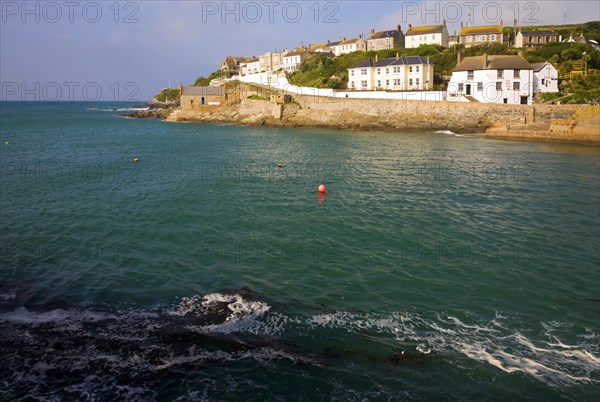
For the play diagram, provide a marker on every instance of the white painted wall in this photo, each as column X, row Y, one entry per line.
column 546, row 80
column 280, row 82
column 489, row 93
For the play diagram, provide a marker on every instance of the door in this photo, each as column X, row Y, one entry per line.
column 468, row 89
column 203, row 100
column 523, row 100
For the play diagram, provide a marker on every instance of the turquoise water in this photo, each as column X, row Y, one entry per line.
column 436, row 266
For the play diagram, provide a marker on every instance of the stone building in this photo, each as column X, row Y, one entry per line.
column 392, row 39
column 197, row 99
column 478, row 35
column 533, row 39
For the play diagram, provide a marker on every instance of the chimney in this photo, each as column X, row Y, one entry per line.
column 444, row 23
column 428, row 61
column 500, row 22
column 459, row 57
column 397, row 55
column 359, row 36
column 462, row 25
column 376, row 57
column 409, row 26
column 559, row 38
column 398, row 28
column 485, row 61
column 372, row 31
column 328, row 42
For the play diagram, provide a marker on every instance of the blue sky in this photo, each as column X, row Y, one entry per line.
column 128, row 50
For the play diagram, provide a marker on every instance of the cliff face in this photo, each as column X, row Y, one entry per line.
column 571, row 123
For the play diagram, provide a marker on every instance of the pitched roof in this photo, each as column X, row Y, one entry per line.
column 392, row 61
column 349, row 41
column 537, row 33
column 430, row 29
column 363, row 64
column 295, row 53
column 384, row 34
column 484, row 29
column 537, row 67
column 493, row 63
column 211, row 90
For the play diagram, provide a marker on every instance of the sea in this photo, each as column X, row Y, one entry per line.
column 142, row 260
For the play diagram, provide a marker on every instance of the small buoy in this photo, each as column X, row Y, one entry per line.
column 279, row 165
column 136, row 159
column 322, row 188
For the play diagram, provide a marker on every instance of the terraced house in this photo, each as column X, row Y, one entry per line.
column 426, row 35
column 411, row 73
column 392, row 39
column 472, row 36
column 349, row 45
column 533, row 39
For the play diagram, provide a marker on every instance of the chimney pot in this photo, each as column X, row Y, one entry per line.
column 459, row 57
column 398, row 28
column 376, row 58
column 397, row 55
column 409, row 26
column 372, row 31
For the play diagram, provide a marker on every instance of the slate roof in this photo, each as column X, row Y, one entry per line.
column 538, row 33
column 493, row 63
column 383, row 34
column 537, row 67
column 211, row 90
column 392, row 61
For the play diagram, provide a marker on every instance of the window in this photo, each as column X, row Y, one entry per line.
column 352, row 73
column 480, row 86
column 363, row 84
column 500, row 73
column 378, row 83
column 387, row 70
column 410, row 81
column 470, row 74
column 543, row 81
column 417, row 81
column 378, row 71
column 461, row 87
column 499, row 86
column 516, row 86
column 387, row 82
column 469, row 38
column 418, row 68
column 396, row 70
column 410, row 69
column 492, row 38
column 396, row 82
column 363, row 71
column 517, row 74
column 353, row 84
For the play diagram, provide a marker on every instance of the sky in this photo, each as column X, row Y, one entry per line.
column 128, row 50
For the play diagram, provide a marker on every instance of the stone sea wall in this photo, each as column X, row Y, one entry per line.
column 572, row 123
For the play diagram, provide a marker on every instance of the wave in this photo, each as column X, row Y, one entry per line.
column 448, row 132
column 100, row 346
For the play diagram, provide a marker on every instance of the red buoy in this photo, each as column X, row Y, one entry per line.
column 322, row 188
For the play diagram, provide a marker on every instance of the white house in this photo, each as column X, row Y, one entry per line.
column 492, row 79
column 292, row 60
column 349, row 45
column 545, row 77
column 393, row 74
column 252, row 66
column 426, row 35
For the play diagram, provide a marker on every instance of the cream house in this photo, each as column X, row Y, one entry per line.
column 392, row 74
column 478, row 35
column 349, row 45
column 426, row 35
column 492, row 79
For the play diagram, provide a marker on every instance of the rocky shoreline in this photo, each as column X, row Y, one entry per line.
column 156, row 110
column 562, row 123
